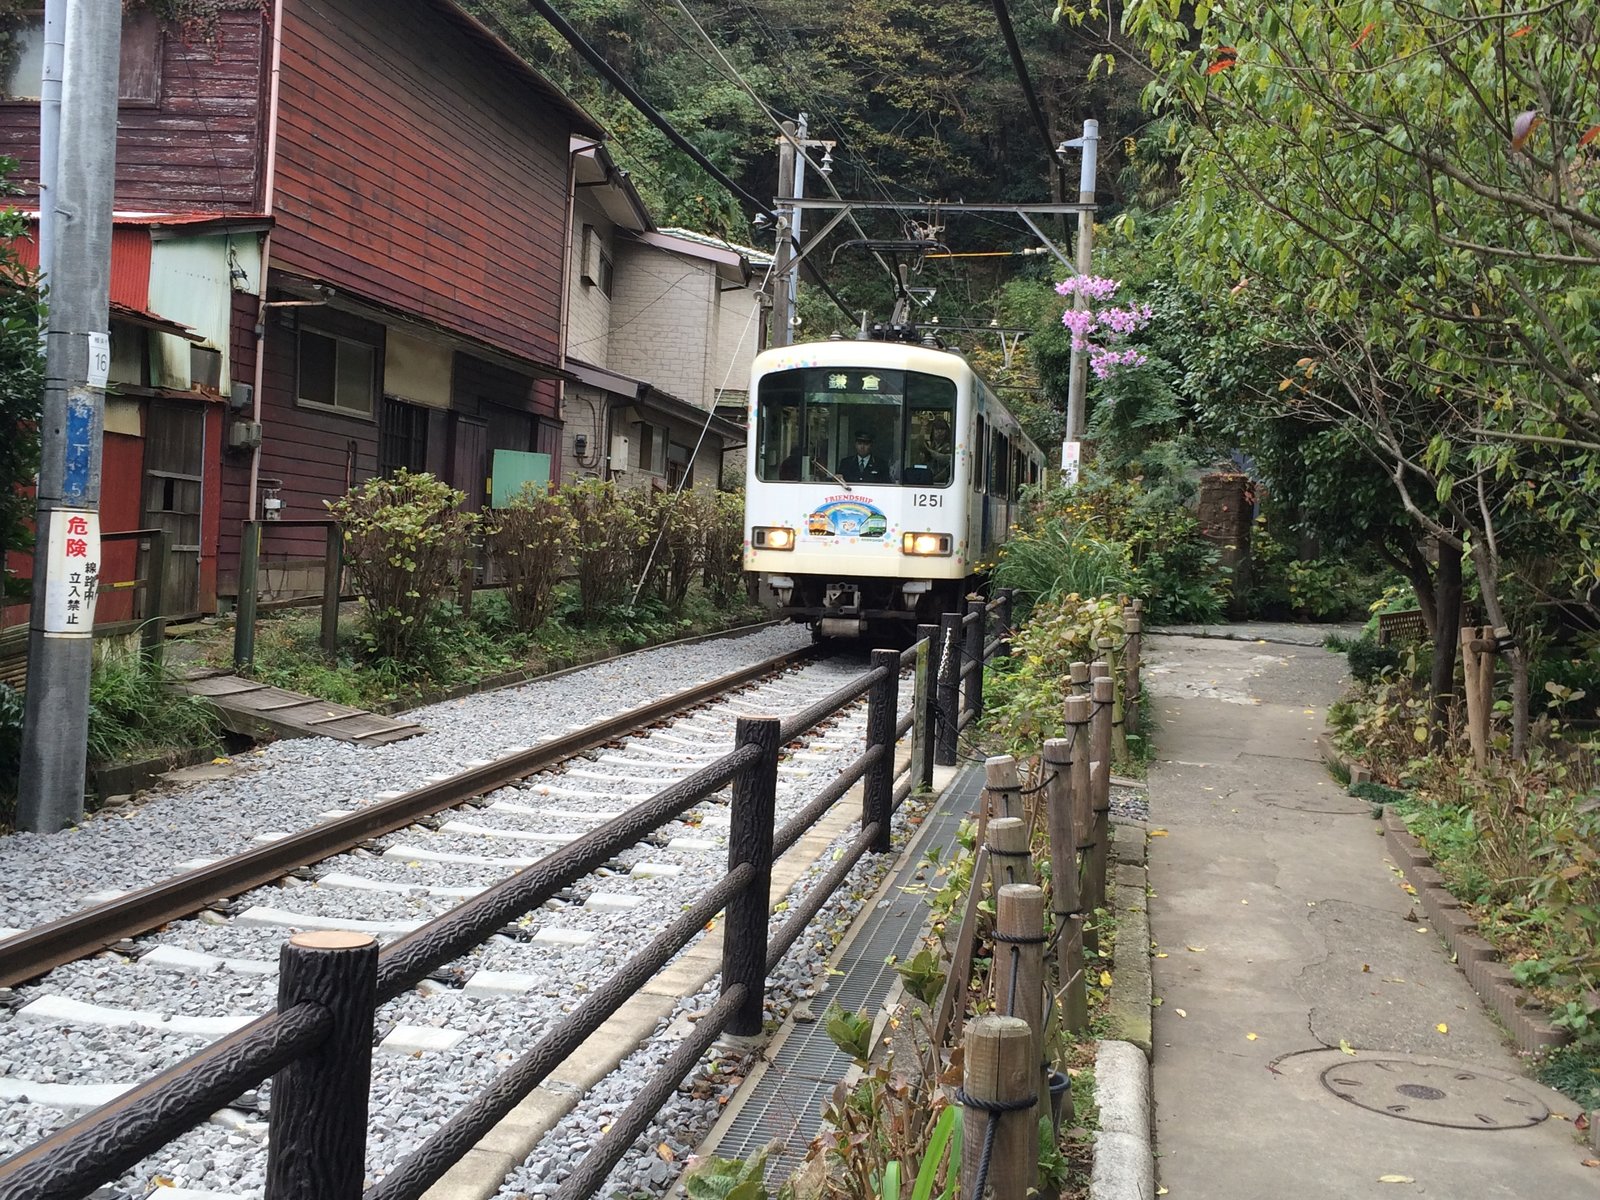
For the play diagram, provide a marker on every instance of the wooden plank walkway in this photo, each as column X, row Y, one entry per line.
column 260, row 710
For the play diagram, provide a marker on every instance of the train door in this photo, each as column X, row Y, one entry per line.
column 980, row 494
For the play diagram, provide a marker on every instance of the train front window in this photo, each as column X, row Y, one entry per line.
column 855, row 426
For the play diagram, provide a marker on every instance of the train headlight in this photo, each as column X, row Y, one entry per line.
column 927, row 545
column 772, row 537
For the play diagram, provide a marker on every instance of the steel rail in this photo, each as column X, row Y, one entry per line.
column 27, row 955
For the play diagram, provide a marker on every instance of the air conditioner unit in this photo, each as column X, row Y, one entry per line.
column 244, row 435
column 621, row 452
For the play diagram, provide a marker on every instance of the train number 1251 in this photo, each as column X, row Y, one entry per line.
column 927, row 500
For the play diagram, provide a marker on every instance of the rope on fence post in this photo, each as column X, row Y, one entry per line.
column 1103, row 690
column 1003, row 786
column 1082, row 793
column 1010, row 860
column 883, row 708
column 976, row 640
column 1133, row 625
column 750, row 821
column 317, row 1136
column 949, row 690
column 999, row 1091
column 1065, row 903
column 1078, row 679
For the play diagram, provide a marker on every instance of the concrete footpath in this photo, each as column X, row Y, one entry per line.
column 1313, row 1038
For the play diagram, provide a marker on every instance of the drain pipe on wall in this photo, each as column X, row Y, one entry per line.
column 268, row 183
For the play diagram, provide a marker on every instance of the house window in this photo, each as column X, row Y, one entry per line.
column 402, row 437
column 652, row 441
column 140, row 80
column 594, row 264
column 336, row 372
column 607, row 271
column 680, row 472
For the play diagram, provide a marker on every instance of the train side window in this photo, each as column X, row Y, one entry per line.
column 778, row 453
column 930, row 445
column 980, row 460
column 999, row 461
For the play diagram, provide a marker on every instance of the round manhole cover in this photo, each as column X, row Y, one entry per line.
column 1433, row 1094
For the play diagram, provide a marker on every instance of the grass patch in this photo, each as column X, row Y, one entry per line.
column 135, row 713
column 1573, row 1071
column 459, row 650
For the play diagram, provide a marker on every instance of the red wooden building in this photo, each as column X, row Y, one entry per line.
column 340, row 243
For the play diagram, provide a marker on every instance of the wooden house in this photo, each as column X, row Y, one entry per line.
column 340, row 249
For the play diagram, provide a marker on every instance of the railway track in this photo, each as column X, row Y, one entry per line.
column 386, row 869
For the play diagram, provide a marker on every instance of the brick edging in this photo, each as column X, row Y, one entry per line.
column 1529, row 1024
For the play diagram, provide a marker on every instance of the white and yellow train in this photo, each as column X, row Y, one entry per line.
column 881, row 475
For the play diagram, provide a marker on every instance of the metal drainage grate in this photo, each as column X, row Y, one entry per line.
column 785, row 1105
column 1433, row 1094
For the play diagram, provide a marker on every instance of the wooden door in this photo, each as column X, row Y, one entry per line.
column 174, row 456
column 469, row 459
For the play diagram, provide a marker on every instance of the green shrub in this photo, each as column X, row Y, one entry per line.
column 11, row 710
column 403, row 536
column 530, row 541
column 609, row 532
column 1024, row 693
column 723, row 563
column 1369, row 661
column 1059, row 557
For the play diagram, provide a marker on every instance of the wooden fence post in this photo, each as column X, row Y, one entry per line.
column 1079, row 785
column 1078, row 679
column 1019, row 965
column 999, row 1092
column 317, row 1134
column 1066, row 905
column 1134, row 626
column 1002, row 785
column 744, row 932
column 1477, row 664
column 1010, row 860
column 332, row 574
column 1101, row 696
column 1119, row 733
column 153, row 633
column 949, row 692
column 244, row 614
column 927, row 711
column 883, row 714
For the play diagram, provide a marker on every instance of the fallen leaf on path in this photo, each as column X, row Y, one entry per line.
column 1158, row 833
column 1442, row 1027
column 1195, row 949
column 1161, row 1191
column 1180, row 1012
column 1250, row 1037
column 1582, row 1122
column 1591, row 1162
column 1366, row 968
column 665, row 1151
column 1346, row 1047
column 1163, row 954
column 1395, row 1179
column 1105, row 978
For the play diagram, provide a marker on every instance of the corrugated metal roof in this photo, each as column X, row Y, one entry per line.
column 759, row 258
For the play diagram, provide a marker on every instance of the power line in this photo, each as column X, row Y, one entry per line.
column 615, row 78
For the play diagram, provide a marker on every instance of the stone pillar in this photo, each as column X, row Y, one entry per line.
column 1225, row 515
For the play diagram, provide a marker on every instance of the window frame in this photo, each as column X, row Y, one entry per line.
column 148, row 37
column 370, row 414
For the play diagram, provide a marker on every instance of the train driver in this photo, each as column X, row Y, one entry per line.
column 863, row 466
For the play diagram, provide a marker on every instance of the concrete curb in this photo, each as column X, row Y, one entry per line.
column 1128, row 1009
column 1124, row 1149
column 1124, row 1156
column 1529, row 1024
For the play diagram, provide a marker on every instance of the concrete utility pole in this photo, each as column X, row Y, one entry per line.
column 783, row 253
column 55, row 45
column 796, row 218
column 77, row 359
column 1078, row 381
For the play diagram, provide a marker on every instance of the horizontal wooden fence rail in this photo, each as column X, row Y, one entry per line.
column 312, row 1157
